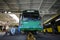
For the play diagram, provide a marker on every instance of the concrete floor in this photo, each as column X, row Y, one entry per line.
column 38, row 37
column 48, row 37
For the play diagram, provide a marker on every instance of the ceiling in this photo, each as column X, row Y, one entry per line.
column 16, row 6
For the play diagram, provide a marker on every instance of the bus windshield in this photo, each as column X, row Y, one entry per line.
column 31, row 15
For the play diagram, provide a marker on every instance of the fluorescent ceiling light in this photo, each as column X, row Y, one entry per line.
column 5, row 12
column 14, row 17
column 9, row 12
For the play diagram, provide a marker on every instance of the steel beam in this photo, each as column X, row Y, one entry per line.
column 7, row 4
column 40, row 4
column 51, row 5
